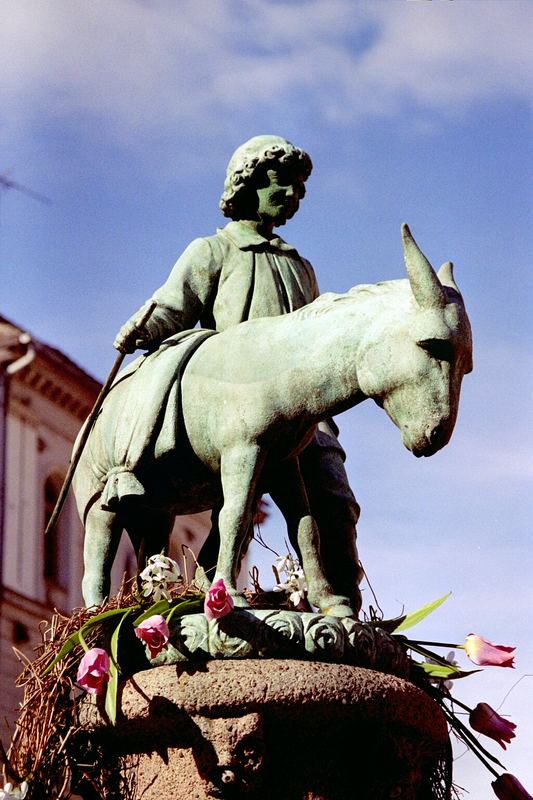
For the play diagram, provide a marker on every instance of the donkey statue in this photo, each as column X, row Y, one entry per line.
column 247, row 402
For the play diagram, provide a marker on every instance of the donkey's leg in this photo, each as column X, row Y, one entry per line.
column 245, row 543
column 239, row 471
column 335, row 510
column 208, row 555
column 102, row 536
column 288, row 492
column 149, row 531
column 207, row 558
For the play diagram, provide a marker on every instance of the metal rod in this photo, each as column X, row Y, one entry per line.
column 104, row 391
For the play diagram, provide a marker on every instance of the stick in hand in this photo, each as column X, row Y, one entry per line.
column 104, row 391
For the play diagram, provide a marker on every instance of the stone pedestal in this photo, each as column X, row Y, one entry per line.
column 269, row 729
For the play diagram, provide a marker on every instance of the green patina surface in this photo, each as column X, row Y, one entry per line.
column 213, row 421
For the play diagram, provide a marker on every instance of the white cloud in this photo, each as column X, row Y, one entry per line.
column 446, row 56
column 145, row 69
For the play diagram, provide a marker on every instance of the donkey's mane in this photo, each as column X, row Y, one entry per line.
column 330, row 300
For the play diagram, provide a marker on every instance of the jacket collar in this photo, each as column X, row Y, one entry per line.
column 247, row 239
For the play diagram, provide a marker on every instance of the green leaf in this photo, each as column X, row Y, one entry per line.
column 417, row 616
column 105, row 614
column 69, row 645
column 95, row 621
column 185, row 607
column 157, row 608
column 388, row 625
column 112, row 685
column 445, row 672
column 464, row 673
column 437, row 670
column 82, row 638
column 79, row 638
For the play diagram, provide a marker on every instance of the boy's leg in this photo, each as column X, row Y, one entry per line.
column 335, row 510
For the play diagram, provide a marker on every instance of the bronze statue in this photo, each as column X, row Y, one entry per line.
column 245, row 272
column 213, row 418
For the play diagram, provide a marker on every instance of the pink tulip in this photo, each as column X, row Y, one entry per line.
column 484, row 719
column 93, row 671
column 218, row 602
column 486, row 654
column 154, row 633
column 507, row 787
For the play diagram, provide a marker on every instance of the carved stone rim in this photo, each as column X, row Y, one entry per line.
column 275, row 633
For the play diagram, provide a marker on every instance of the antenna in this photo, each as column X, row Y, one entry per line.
column 7, row 183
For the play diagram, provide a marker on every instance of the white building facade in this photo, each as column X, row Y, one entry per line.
column 44, row 398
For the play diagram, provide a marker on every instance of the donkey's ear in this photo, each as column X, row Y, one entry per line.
column 424, row 282
column 445, row 276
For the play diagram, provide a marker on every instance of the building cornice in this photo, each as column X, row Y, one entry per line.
column 54, row 375
column 65, row 395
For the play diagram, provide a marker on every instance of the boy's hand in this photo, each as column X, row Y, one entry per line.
column 126, row 338
column 133, row 333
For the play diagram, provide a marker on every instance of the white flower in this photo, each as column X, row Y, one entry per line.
column 161, row 567
column 19, row 793
column 285, row 563
column 159, row 572
column 450, row 658
column 297, row 597
column 295, row 584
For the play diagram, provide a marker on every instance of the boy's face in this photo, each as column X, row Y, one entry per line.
column 279, row 191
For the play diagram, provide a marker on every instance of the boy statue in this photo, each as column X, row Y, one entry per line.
column 243, row 272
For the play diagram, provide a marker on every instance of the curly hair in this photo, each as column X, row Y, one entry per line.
column 245, row 163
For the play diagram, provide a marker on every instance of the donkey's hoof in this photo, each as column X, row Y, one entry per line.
column 240, row 601
column 338, row 611
column 201, row 581
column 336, row 606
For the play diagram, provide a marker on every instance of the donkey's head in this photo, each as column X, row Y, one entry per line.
column 417, row 352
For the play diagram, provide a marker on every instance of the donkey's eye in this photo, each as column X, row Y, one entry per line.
column 440, row 349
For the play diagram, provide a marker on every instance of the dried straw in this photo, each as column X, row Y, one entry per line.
column 43, row 746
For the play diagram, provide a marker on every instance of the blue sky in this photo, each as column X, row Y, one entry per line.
column 125, row 113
